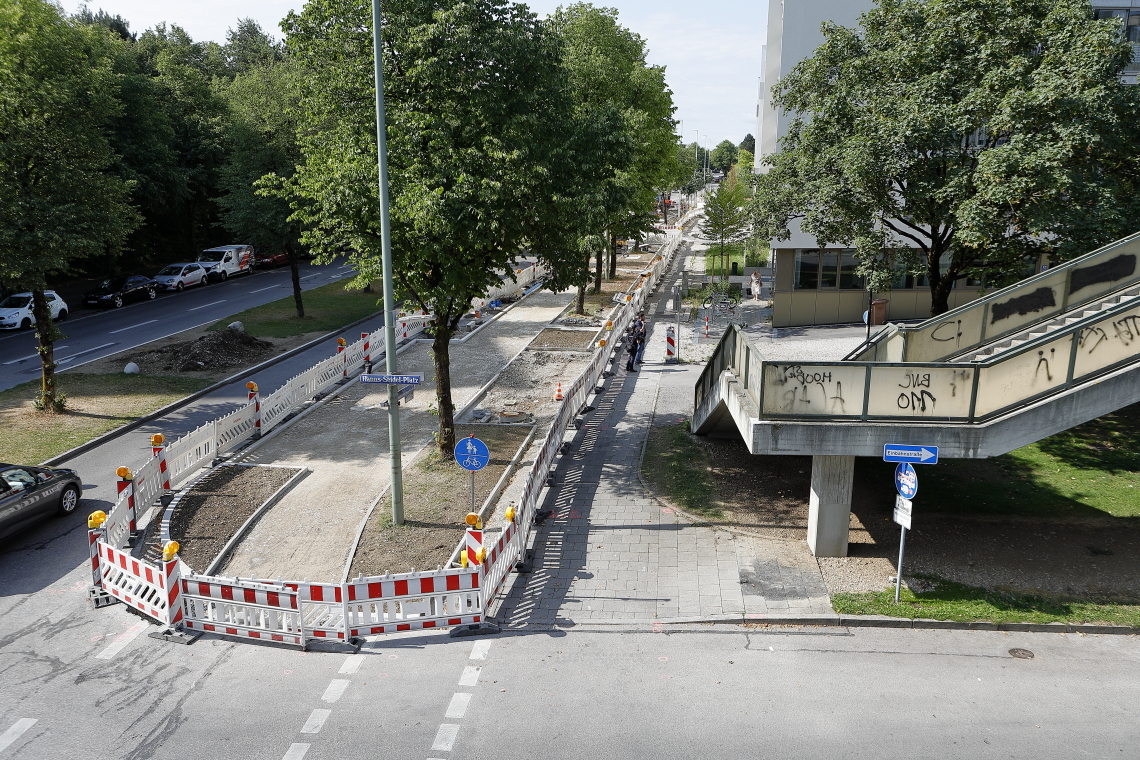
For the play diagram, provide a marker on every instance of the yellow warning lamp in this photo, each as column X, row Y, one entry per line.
column 463, row 558
column 481, row 555
column 253, row 386
column 602, row 343
column 473, row 520
column 510, row 514
column 125, row 473
column 169, row 551
column 341, row 342
column 610, row 325
column 96, row 519
column 157, row 439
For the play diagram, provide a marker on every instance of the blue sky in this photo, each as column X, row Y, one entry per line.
column 711, row 50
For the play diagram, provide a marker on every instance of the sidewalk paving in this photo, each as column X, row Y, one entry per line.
column 613, row 553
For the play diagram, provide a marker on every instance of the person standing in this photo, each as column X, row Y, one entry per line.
column 631, row 348
column 756, row 285
column 642, row 337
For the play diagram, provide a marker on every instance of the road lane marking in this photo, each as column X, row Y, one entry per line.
column 458, row 706
column 88, row 351
column 352, row 663
column 470, row 676
column 310, row 277
column 120, row 641
column 133, row 327
column 33, row 356
column 316, row 719
column 296, row 752
column 479, row 649
column 271, row 287
column 15, row 732
column 335, row 690
column 203, row 306
column 445, row 737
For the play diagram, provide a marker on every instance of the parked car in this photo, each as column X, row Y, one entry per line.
column 226, row 260
column 118, row 290
column 270, row 260
column 16, row 310
column 30, row 494
column 180, row 276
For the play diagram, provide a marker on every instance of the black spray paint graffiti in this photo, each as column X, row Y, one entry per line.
column 1106, row 271
column 1042, row 298
column 832, row 404
column 954, row 334
column 916, row 397
column 916, row 402
column 1041, row 360
column 1127, row 329
column 1087, row 334
column 915, row 380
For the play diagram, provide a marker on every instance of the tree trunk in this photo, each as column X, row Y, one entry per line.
column 48, row 399
column 295, row 271
column 613, row 255
column 599, row 267
column 441, row 357
column 665, row 206
column 581, row 303
column 940, row 286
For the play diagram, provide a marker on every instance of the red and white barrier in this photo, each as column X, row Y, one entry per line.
column 367, row 346
column 413, row 601
column 254, row 398
column 244, row 609
column 670, row 345
column 137, row 583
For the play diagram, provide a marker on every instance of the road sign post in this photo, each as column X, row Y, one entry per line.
column 906, row 483
column 902, row 517
column 472, row 454
column 898, row 452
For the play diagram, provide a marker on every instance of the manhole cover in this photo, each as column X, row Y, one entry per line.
column 1021, row 654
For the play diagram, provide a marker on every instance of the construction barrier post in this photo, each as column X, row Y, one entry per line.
column 96, row 533
column 158, row 449
column 255, row 399
column 340, row 344
column 127, row 481
column 473, row 551
column 670, row 346
column 367, row 347
column 172, row 583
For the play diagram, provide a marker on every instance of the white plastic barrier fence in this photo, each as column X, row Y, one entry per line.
column 413, row 601
column 245, row 609
column 187, row 454
column 235, row 428
column 118, row 523
column 151, row 589
column 148, row 484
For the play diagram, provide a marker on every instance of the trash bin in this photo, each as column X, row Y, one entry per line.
column 879, row 311
column 735, row 271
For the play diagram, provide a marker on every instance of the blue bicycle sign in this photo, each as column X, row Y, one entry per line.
column 472, row 454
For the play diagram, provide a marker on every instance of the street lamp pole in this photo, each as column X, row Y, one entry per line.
column 389, row 292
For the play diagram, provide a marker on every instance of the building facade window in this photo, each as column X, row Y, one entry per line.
column 807, row 270
column 848, row 280
column 826, row 270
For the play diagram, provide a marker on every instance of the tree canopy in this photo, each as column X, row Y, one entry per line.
column 748, row 144
column 959, row 138
column 724, row 156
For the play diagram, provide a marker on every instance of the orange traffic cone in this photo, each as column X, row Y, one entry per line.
column 558, row 392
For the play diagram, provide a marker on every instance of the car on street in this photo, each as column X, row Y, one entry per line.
column 177, row 277
column 16, row 310
column 270, row 260
column 116, row 291
column 30, row 494
column 225, row 261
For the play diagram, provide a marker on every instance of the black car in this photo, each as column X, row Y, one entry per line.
column 118, row 290
column 30, row 494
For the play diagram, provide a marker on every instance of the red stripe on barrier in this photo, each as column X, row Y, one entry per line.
column 404, row 627
column 273, row 598
column 401, row 588
column 316, row 594
column 228, row 592
column 429, row 624
column 453, row 583
column 427, row 585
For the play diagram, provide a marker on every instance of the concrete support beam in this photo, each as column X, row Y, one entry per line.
column 829, row 514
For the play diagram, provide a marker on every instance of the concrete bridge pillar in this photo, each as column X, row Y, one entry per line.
column 829, row 512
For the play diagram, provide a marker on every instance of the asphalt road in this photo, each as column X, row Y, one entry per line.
column 95, row 333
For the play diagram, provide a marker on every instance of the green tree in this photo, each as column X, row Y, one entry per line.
column 723, row 156
column 745, row 159
column 59, row 200
column 957, row 138
column 726, row 220
column 481, row 161
column 748, row 144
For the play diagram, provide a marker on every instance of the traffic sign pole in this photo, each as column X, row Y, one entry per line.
column 898, row 578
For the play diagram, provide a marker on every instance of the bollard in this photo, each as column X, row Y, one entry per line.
column 158, row 449
column 254, row 398
column 670, row 346
column 367, row 348
column 706, row 325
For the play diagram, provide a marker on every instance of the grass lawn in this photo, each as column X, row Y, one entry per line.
column 95, row 403
column 715, row 264
column 676, row 463
column 955, row 601
column 329, row 307
column 1089, row 471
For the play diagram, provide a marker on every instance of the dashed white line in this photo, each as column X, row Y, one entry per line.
column 309, row 277
column 17, row 730
column 88, row 351
column 445, row 737
column 470, row 676
column 479, row 649
column 271, row 287
column 33, row 356
column 352, row 663
column 120, row 641
column 133, row 327
column 203, row 306
column 458, row 705
column 296, row 752
column 335, row 690
column 316, row 719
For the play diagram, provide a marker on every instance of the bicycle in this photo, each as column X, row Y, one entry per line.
column 720, row 304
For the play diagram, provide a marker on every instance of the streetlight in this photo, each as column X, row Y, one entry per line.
column 389, row 294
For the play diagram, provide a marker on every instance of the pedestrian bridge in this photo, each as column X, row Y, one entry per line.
column 1023, row 363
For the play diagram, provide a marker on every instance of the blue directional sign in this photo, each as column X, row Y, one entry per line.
column 898, row 452
column 414, row 378
column 472, row 454
column 906, row 480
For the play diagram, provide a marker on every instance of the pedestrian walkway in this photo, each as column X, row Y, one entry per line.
column 612, row 553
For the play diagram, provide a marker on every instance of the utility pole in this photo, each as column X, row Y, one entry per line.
column 389, row 292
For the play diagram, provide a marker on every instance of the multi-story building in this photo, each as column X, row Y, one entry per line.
column 817, row 284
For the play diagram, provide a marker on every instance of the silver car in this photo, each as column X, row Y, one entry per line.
column 176, row 277
column 30, row 494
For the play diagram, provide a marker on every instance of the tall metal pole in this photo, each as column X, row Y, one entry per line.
column 389, row 292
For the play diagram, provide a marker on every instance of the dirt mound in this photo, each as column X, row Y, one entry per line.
column 216, row 350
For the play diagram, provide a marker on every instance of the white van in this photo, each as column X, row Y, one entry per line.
column 226, row 260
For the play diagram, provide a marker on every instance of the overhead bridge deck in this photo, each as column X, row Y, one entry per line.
column 1049, row 353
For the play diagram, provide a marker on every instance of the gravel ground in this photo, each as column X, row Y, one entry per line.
column 219, row 504
column 437, row 496
column 554, row 338
column 527, row 385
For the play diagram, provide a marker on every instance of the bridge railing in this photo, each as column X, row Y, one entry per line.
column 1003, row 312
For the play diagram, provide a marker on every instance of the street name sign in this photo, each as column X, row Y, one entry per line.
column 903, row 509
column 906, row 480
column 414, row 378
column 898, row 452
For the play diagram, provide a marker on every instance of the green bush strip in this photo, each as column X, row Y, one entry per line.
column 327, row 308
column 955, row 601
